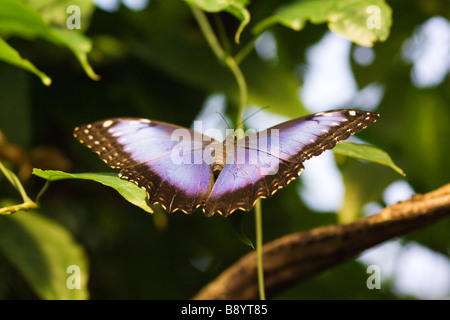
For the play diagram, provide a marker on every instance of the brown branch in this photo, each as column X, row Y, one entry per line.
column 298, row 256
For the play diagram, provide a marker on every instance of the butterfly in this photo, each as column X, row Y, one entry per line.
column 182, row 169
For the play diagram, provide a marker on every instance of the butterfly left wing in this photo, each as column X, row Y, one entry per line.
column 271, row 159
column 143, row 149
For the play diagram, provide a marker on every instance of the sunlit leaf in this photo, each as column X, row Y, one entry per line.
column 57, row 12
column 362, row 21
column 21, row 20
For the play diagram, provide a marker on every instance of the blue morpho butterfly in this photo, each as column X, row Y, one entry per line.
column 182, row 169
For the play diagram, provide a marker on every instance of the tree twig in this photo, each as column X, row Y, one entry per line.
column 295, row 257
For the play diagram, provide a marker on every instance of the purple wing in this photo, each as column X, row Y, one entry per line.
column 303, row 138
column 169, row 168
column 267, row 161
column 239, row 184
column 179, row 173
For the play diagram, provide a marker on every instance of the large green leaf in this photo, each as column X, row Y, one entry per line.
column 19, row 19
column 362, row 21
column 57, row 12
column 127, row 189
column 42, row 251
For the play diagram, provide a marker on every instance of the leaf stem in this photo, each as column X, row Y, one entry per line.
column 229, row 61
column 242, row 85
column 233, row 64
column 259, row 250
column 27, row 202
column 222, row 35
column 44, row 188
column 242, row 54
column 208, row 32
column 23, row 206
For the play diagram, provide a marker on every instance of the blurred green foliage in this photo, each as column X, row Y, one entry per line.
column 155, row 64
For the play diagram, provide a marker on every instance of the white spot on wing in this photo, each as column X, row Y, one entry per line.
column 107, row 123
column 352, row 112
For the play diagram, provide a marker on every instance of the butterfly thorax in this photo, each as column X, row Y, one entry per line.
column 220, row 152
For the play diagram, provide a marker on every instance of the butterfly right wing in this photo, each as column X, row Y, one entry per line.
column 171, row 170
column 272, row 158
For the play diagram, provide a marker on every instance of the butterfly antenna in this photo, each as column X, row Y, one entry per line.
column 223, row 118
column 260, row 109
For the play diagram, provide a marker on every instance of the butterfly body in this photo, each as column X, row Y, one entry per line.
column 182, row 169
column 218, row 157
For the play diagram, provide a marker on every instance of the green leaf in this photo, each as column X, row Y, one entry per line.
column 235, row 7
column 362, row 21
column 11, row 56
column 42, row 251
column 127, row 189
column 55, row 12
column 21, row 20
column 366, row 152
column 17, row 18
